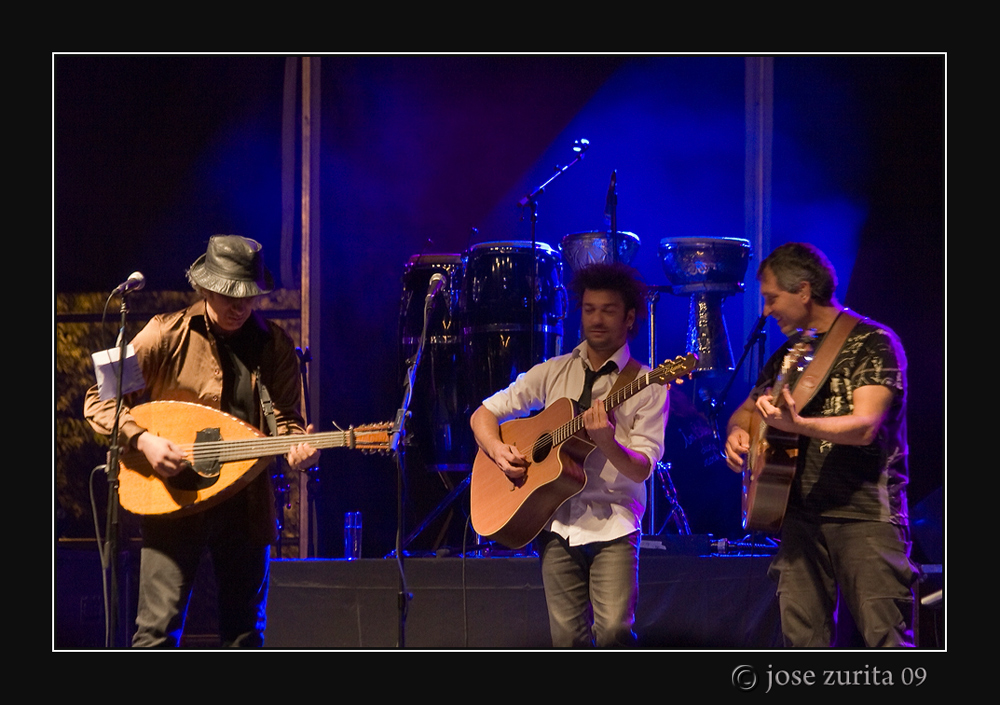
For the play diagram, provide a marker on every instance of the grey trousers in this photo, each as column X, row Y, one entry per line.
column 866, row 563
column 591, row 590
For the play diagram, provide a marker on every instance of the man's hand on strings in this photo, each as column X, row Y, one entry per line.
column 164, row 456
column 599, row 425
column 510, row 460
column 303, row 456
column 785, row 417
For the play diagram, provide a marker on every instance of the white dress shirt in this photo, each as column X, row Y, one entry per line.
column 610, row 505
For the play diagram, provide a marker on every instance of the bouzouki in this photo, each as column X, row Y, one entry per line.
column 769, row 467
column 555, row 443
column 224, row 455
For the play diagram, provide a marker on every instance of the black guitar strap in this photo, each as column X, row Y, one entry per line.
column 267, row 406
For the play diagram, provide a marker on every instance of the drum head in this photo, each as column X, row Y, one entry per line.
column 705, row 263
column 481, row 248
column 581, row 249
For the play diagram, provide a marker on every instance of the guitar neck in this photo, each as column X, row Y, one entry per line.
column 575, row 425
column 779, row 385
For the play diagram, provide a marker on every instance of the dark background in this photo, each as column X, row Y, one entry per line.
column 430, row 154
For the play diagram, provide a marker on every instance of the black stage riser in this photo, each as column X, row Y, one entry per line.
column 684, row 601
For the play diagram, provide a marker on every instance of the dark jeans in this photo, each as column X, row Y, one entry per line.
column 171, row 552
column 869, row 561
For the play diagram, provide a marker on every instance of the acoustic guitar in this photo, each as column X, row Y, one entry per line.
column 769, row 467
column 555, row 443
column 224, row 455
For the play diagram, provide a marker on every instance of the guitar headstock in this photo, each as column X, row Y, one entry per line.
column 799, row 353
column 796, row 359
column 373, row 438
column 674, row 369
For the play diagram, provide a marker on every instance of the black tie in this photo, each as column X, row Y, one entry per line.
column 588, row 382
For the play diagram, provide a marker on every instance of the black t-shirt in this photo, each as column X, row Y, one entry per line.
column 240, row 354
column 834, row 481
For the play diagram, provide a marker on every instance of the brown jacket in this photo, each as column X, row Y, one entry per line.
column 180, row 361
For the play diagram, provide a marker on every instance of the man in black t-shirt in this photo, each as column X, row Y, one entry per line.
column 846, row 528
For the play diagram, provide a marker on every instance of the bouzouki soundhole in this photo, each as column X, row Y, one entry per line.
column 203, row 473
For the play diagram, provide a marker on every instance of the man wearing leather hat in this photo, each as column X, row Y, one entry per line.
column 220, row 353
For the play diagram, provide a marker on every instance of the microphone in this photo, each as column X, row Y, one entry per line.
column 580, row 146
column 609, row 203
column 437, row 283
column 134, row 282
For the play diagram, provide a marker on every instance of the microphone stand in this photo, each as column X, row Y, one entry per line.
column 580, row 147
column 112, row 531
column 312, row 479
column 397, row 442
column 757, row 336
column 611, row 211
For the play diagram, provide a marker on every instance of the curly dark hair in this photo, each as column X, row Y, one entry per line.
column 796, row 262
column 603, row 276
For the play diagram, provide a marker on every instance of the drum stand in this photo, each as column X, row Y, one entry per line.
column 436, row 512
column 662, row 468
column 670, row 492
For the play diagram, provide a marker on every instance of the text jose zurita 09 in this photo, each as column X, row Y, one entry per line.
column 746, row 677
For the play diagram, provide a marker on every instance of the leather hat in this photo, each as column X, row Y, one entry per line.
column 232, row 266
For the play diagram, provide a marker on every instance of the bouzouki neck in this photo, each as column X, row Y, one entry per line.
column 267, row 446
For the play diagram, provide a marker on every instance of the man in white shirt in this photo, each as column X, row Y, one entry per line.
column 590, row 548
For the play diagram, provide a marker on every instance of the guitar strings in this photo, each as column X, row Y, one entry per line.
column 247, row 449
column 575, row 424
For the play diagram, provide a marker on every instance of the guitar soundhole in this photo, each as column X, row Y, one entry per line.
column 543, row 446
column 205, row 470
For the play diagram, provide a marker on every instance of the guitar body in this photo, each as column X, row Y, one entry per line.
column 143, row 491
column 770, row 463
column 515, row 514
column 767, row 477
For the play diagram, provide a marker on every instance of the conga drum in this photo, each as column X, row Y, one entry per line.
column 595, row 247
column 438, row 427
column 513, row 304
column 707, row 269
column 581, row 249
